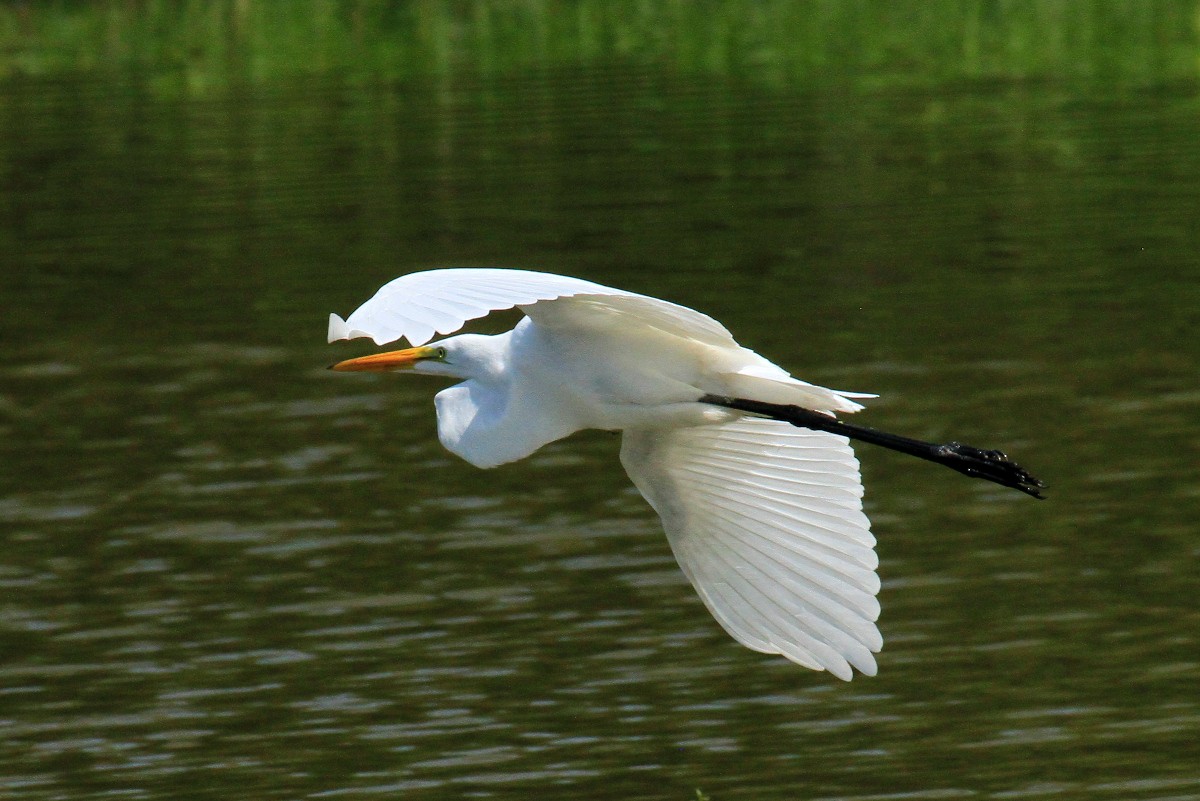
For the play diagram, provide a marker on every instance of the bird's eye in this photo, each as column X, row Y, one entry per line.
column 441, row 353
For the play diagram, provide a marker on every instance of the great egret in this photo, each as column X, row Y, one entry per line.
column 752, row 475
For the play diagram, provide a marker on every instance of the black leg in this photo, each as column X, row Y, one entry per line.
column 992, row 466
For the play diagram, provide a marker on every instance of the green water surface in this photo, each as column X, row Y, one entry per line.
column 228, row 573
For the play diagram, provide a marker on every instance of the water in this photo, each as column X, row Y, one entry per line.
column 227, row 572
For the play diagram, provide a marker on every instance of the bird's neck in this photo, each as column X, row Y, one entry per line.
column 482, row 358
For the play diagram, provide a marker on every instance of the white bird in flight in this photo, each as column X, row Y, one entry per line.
column 753, row 476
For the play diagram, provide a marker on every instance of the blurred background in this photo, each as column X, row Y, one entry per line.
column 227, row 573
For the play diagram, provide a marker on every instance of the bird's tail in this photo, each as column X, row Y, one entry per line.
column 766, row 385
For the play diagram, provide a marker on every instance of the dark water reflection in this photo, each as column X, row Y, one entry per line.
column 229, row 573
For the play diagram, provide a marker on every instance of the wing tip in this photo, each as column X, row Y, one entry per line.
column 845, row 667
column 338, row 329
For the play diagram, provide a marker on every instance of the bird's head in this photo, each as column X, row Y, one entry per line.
column 456, row 357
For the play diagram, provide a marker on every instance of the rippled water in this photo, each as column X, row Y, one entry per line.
column 229, row 573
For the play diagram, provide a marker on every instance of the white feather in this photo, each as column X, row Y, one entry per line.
column 418, row 305
column 766, row 521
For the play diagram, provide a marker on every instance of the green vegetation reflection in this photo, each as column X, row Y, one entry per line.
column 195, row 46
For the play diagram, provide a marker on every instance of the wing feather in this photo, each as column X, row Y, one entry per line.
column 420, row 305
column 852, row 583
column 819, row 541
column 823, row 515
column 766, row 521
column 775, row 612
column 828, row 597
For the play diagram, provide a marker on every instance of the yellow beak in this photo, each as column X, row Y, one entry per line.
column 384, row 362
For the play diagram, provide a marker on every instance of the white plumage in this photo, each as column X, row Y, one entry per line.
column 766, row 521
column 764, row 518
column 419, row 305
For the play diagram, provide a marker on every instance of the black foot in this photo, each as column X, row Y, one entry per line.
column 992, row 466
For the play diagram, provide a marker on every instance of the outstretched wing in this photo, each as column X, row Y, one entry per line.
column 423, row 304
column 766, row 520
